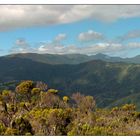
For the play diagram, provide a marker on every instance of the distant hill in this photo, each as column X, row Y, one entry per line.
column 135, row 59
column 53, row 58
column 72, row 58
column 131, row 99
column 106, row 81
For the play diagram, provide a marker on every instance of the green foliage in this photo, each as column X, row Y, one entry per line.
column 106, row 81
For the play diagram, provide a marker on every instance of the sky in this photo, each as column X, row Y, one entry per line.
column 66, row 29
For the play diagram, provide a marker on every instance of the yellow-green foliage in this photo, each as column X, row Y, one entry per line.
column 24, row 87
column 22, row 125
column 11, row 107
column 1, row 98
column 22, row 104
column 66, row 99
column 28, row 134
column 11, row 132
column 46, row 113
column 2, row 129
column 129, row 107
column 53, row 91
column 6, row 92
column 35, row 91
column 115, row 109
column 137, row 115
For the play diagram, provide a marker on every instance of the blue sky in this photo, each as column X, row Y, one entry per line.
column 62, row 29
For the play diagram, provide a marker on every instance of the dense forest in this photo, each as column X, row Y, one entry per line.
column 110, row 83
column 32, row 108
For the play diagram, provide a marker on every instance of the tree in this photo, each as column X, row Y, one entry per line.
column 42, row 86
column 50, row 100
column 84, row 103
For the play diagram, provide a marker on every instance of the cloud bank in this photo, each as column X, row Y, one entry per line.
column 22, row 46
column 20, row 16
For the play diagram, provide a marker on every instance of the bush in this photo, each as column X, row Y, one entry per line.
column 66, row 99
column 22, row 125
column 53, row 91
column 11, row 132
column 24, row 87
column 35, row 91
column 129, row 107
column 2, row 129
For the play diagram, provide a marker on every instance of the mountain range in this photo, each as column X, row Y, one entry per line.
column 111, row 80
column 72, row 58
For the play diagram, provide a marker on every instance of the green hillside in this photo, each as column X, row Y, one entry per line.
column 106, row 81
column 131, row 99
column 71, row 58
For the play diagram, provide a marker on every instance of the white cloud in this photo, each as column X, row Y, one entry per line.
column 134, row 45
column 60, row 37
column 90, row 36
column 19, row 16
column 130, row 35
column 51, row 48
column 106, row 48
column 21, row 46
column 21, row 42
column 92, row 49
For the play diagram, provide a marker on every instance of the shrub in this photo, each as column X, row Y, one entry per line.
column 129, row 107
column 66, row 99
column 53, row 91
column 2, row 129
column 35, row 91
column 24, row 87
column 11, row 132
column 22, row 125
column 24, row 90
